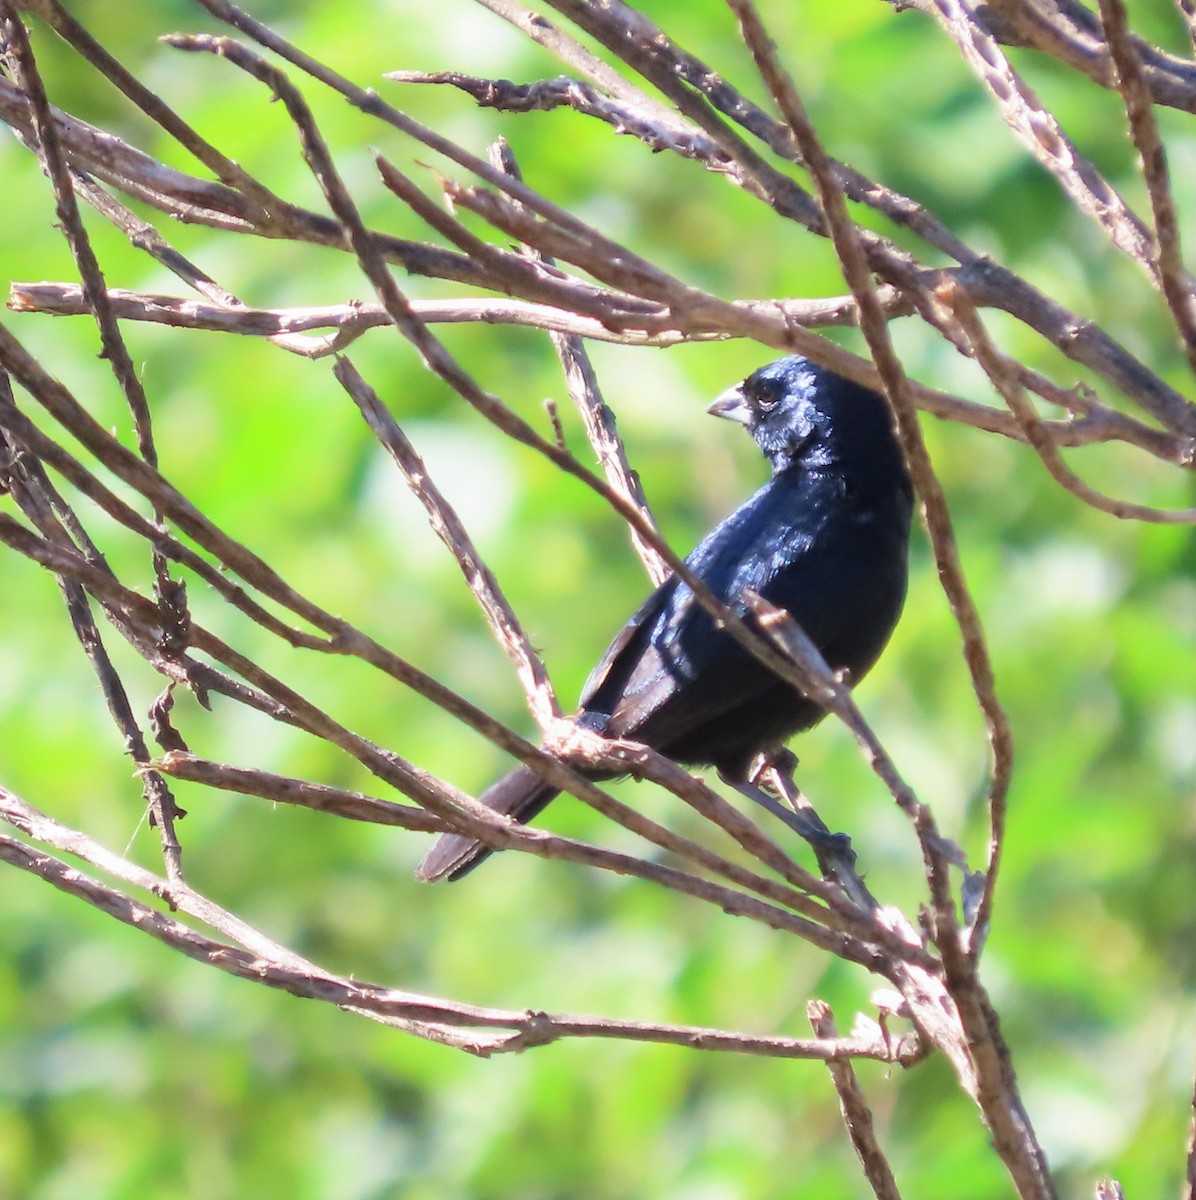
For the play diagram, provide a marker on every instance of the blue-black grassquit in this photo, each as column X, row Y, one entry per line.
column 826, row 538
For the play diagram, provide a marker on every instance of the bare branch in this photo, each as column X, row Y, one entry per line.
column 1004, row 375
column 631, row 34
column 354, row 318
column 599, row 419
column 282, row 789
column 856, row 1114
column 264, row 961
column 1068, row 31
column 979, row 1056
column 1042, row 135
column 1173, row 280
column 547, row 94
column 1095, row 424
column 171, row 595
column 448, row 527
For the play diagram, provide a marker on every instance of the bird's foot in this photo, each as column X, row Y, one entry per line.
column 765, row 766
column 834, row 852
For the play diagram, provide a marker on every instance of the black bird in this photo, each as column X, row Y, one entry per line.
column 827, row 538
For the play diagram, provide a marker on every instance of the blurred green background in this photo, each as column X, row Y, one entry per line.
column 129, row 1072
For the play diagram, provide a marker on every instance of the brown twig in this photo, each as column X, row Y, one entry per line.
column 832, row 694
column 1043, row 136
column 282, row 789
column 1068, row 31
column 447, row 525
column 212, row 203
column 171, row 594
column 152, row 105
column 264, row 961
column 647, row 49
column 625, row 756
column 979, row 1056
column 546, row 94
column 597, row 416
column 1096, row 423
column 1005, row 378
column 1173, row 280
column 354, row 318
column 857, row 1116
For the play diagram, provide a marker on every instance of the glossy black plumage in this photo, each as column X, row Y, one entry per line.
column 826, row 538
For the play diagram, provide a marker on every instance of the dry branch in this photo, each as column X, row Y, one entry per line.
column 569, row 277
column 256, row 958
column 856, row 1114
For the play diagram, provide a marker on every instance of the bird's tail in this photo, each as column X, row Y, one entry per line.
column 520, row 795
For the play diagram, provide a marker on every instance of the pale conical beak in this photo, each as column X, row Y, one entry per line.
column 733, row 406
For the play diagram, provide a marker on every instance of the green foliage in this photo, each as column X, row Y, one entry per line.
column 126, row 1071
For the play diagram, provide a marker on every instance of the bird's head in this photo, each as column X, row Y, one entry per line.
column 798, row 411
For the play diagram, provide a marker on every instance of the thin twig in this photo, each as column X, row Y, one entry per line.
column 857, row 1116
column 1004, row 375
column 283, row 789
column 1096, row 424
column 1043, row 136
column 265, row 961
column 597, row 416
column 546, row 94
column 202, row 201
column 1068, row 31
column 684, row 79
column 1173, row 280
column 447, row 525
column 647, row 49
column 979, row 1055
column 171, row 594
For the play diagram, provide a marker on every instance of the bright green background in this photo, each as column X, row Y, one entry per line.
column 129, row 1072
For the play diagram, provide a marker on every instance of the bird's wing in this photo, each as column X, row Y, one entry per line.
column 669, row 664
column 671, row 672
column 609, row 674
column 676, row 686
column 635, row 657
column 689, row 674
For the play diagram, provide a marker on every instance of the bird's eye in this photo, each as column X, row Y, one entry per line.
column 767, row 396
